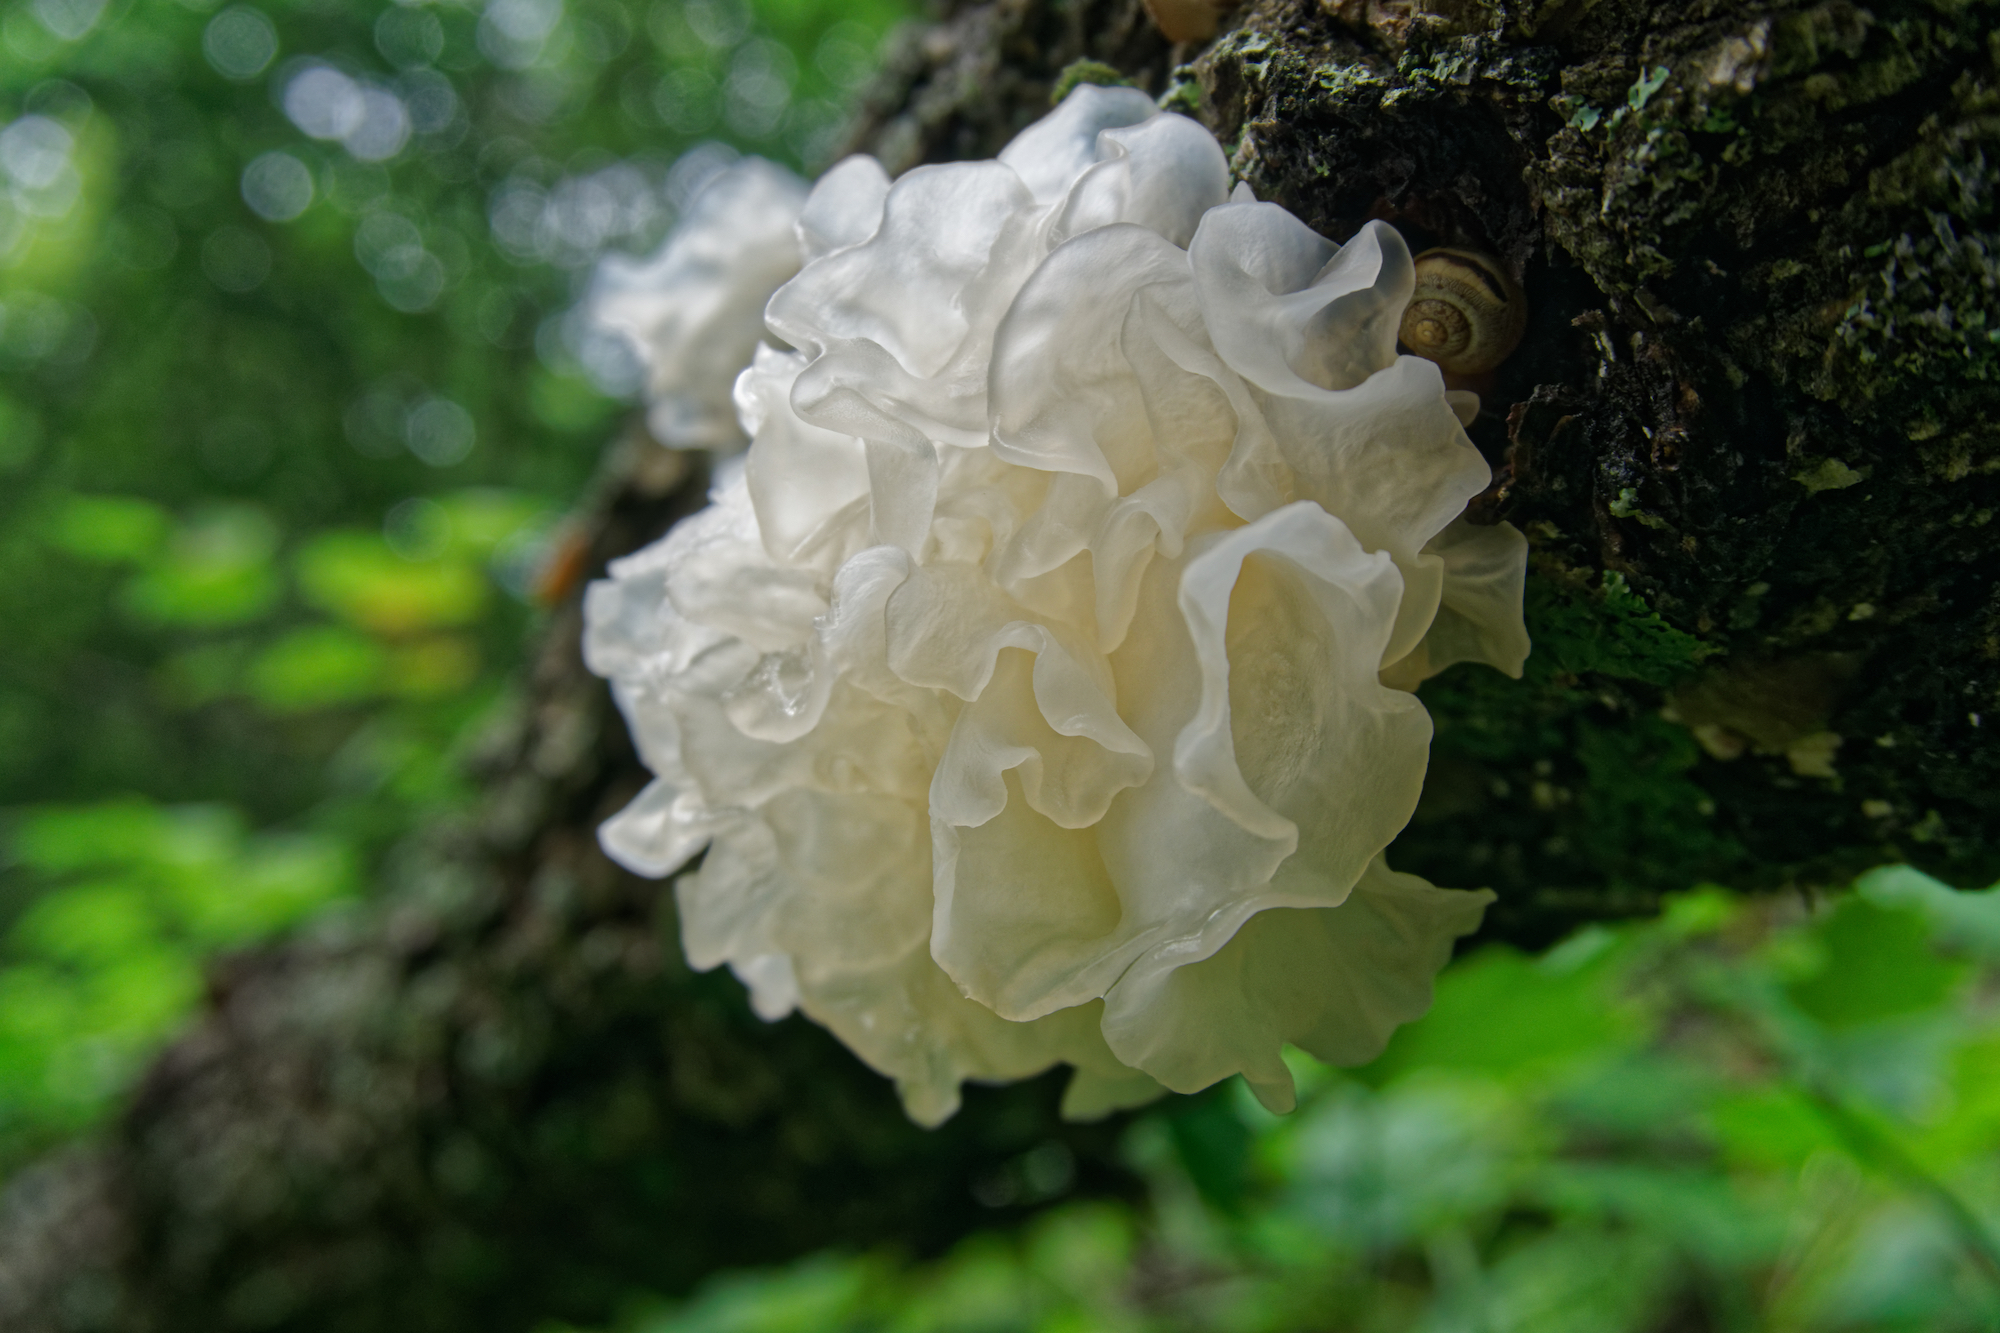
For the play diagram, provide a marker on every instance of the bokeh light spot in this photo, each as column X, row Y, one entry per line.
column 324, row 103
column 439, row 431
column 277, row 186
column 239, row 42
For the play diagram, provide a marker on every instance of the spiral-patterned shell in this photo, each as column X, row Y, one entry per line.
column 1467, row 312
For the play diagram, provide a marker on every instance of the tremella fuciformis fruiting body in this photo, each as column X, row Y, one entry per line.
column 1039, row 685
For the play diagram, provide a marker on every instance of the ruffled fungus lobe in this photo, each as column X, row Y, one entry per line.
column 1039, row 685
column 694, row 312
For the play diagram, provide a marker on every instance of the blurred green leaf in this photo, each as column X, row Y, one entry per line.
column 1692, row 1203
column 1875, row 963
column 317, row 667
column 1377, row 1169
column 814, row 1296
column 1968, row 1125
column 1770, row 1127
column 217, row 570
column 1084, row 1251
column 63, row 839
column 108, row 529
column 281, row 879
column 1578, row 1280
column 1637, row 1095
column 103, row 963
column 1962, row 919
column 88, row 923
column 355, row 575
column 1701, row 911
column 568, row 402
column 1500, row 1013
column 478, row 521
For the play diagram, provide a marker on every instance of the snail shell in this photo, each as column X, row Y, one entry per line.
column 1467, row 312
column 1188, row 20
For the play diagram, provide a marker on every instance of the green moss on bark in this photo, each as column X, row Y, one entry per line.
column 1757, row 387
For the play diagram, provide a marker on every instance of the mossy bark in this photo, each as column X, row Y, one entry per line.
column 1756, row 392
column 1747, row 434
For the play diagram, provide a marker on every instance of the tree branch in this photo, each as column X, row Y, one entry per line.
column 499, row 1095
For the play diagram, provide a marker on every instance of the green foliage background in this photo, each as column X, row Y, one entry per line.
column 287, row 425
column 289, row 412
column 1741, row 1116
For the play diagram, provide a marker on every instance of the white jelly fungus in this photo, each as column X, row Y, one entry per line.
column 694, row 312
column 1039, row 684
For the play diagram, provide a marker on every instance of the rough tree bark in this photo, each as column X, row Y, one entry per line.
column 1756, row 391
column 1748, row 434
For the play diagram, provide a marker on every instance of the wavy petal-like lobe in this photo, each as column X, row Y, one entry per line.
column 694, row 311
column 1335, row 981
column 1049, row 155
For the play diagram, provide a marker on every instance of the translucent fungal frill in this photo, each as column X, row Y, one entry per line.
column 694, row 311
column 1039, row 686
